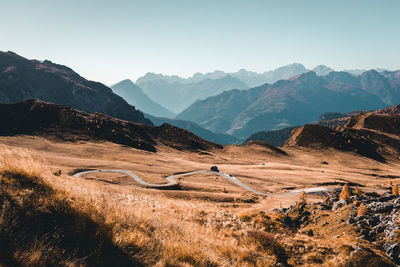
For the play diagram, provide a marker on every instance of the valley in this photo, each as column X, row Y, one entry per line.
column 224, row 212
column 199, row 133
column 160, row 190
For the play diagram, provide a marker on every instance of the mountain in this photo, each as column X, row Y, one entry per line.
column 322, row 70
column 35, row 117
column 177, row 93
column 373, row 134
column 254, row 79
column 296, row 101
column 178, row 96
column 223, row 139
column 334, row 121
column 357, row 72
column 250, row 78
column 386, row 87
column 134, row 95
column 276, row 138
column 22, row 79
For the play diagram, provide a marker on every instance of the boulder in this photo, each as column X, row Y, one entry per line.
column 338, row 204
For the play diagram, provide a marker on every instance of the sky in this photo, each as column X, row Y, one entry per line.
column 109, row 41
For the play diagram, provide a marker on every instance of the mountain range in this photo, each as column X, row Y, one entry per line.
column 22, row 79
column 250, row 78
column 225, row 117
column 177, row 93
column 135, row 96
column 292, row 102
column 176, row 96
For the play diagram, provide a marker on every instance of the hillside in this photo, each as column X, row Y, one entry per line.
column 35, row 117
column 374, row 135
column 223, row 139
column 22, row 79
column 279, row 137
column 134, row 95
column 276, row 138
column 286, row 103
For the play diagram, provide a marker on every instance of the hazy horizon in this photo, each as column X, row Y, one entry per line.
column 111, row 41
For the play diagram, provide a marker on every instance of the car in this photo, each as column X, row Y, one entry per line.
column 214, row 169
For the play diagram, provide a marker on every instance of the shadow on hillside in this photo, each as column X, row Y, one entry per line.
column 39, row 228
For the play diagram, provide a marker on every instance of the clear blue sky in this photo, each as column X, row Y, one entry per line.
column 112, row 40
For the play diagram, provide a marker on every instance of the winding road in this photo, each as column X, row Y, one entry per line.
column 172, row 181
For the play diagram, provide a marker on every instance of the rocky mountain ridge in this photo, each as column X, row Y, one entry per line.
column 22, row 79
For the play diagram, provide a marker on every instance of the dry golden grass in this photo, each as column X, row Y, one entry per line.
column 150, row 229
column 199, row 225
column 40, row 226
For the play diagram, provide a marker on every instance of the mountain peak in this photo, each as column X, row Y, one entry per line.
column 322, row 70
column 59, row 84
column 125, row 82
column 306, row 76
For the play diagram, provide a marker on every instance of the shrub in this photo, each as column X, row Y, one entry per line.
column 357, row 191
column 302, row 200
column 245, row 217
column 362, row 210
column 395, row 190
column 345, row 193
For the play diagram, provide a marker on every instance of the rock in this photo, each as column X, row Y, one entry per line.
column 386, row 197
column 392, row 250
column 338, row 204
column 378, row 207
column 372, row 221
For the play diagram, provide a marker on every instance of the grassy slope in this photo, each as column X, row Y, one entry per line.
column 41, row 227
column 49, row 220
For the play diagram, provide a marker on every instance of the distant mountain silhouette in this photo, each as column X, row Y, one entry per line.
column 296, row 101
column 178, row 96
column 134, row 95
column 177, row 93
column 250, row 78
column 219, row 138
column 22, row 79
